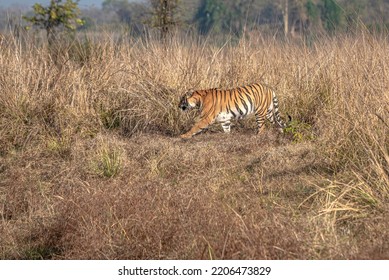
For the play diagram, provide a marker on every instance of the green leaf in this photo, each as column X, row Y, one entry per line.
column 55, row 15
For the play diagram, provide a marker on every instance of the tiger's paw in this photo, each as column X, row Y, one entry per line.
column 185, row 136
column 260, row 130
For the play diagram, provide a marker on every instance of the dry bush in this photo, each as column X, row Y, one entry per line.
column 91, row 165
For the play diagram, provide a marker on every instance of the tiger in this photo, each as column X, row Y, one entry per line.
column 221, row 105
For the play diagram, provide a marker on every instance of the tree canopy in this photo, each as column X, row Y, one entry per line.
column 58, row 14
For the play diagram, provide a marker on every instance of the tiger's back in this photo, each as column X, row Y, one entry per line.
column 243, row 101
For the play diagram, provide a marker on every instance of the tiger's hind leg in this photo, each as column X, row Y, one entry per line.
column 270, row 115
column 276, row 116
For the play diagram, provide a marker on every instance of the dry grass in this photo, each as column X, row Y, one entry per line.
column 91, row 166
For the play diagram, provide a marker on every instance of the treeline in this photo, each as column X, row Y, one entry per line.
column 289, row 17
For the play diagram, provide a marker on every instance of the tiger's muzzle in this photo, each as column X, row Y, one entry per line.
column 184, row 105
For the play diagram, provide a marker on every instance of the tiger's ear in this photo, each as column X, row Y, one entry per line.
column 190, row 92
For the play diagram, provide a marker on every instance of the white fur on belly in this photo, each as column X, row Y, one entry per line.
column 223, row 116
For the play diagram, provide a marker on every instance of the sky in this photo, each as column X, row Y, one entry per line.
column 29, row 3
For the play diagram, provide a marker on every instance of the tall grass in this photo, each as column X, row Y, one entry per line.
column 57, row 104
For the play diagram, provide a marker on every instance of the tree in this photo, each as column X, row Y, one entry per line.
column 298, row 18
column 164, row 15
column 270, row 14
column 313, row 13
column 212, row 14
column 120, row 7
column 133, row 14
column 241, row 14
column 56, row 16
column 293, row 16
column 285, row 15
column 331, row 15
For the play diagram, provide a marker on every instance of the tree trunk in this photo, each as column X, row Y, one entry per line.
column 164, row 18
column 285, row 16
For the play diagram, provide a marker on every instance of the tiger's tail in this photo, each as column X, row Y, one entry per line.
column 276, row 113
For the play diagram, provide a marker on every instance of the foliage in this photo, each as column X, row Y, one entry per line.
column 313, row 13
column 331, row 14
column 299, row 131
column 224, row 16
column 212, row 15
column 269, row 14
column 55, row 16
column 164, row 15
column 133, row 14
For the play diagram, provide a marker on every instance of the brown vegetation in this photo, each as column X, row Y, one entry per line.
column 91, row 166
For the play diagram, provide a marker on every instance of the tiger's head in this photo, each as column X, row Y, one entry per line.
column 190, row 100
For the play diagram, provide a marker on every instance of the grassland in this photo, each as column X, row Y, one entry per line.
column 91, row 166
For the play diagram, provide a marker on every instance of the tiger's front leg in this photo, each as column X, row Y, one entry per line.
column 197, row 128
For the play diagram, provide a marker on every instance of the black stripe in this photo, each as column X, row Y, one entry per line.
column 239, row 110
column 253, row 90
column 250, row 100
column 244, row 104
